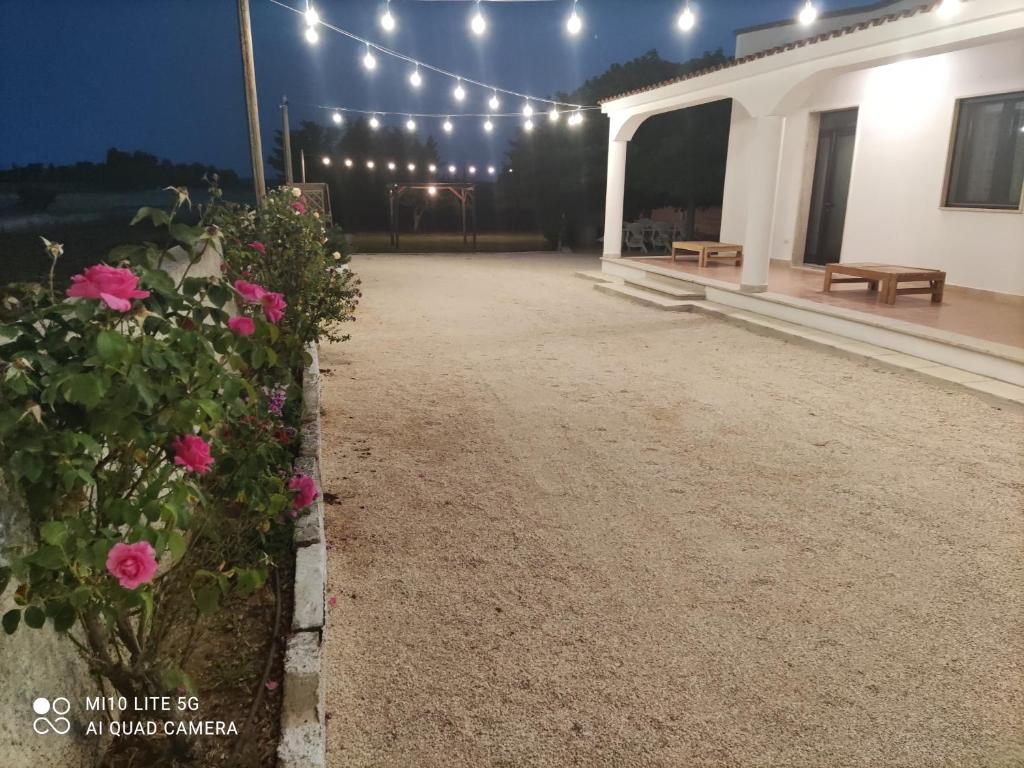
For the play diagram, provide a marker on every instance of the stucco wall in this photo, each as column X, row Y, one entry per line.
column 904, row 129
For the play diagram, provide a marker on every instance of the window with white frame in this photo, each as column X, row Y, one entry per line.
column 987, row 162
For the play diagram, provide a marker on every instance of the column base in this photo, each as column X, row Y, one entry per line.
column 752, row 288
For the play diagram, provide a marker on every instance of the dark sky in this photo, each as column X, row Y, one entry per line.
column 164, row 76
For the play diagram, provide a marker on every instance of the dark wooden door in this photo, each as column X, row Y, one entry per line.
column 830, row 188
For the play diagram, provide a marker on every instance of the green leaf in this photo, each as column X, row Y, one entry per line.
column 207, row 597
column 176, row 544
column 26, row 465
column 48, row 556
column 147, row 604
column 156, row 215
column 84, row 388
column 62, row 613
column 11, row 621
column 54, row 532
column 34, row 617
column 81, row 596
column 111, row 346
column 185, row 234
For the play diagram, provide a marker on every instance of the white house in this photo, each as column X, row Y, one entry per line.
column 888, row 133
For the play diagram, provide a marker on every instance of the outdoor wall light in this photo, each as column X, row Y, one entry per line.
column 687, row 19
column 808, row 13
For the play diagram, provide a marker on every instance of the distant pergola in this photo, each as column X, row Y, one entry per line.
column 464, row 192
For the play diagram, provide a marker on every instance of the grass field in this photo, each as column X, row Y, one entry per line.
column 491, row 242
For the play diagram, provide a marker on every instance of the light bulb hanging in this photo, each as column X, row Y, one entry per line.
column 574, row 24
column 336, row 117
column 527, row 110
column 478, row 23
column 452, row 169
column 410, row 125
column 493, row 103
column 491, row 169
column 348, row 162
column 370, row 164
column 432, row 168
column 488, row 125
column 415, row 79
column 311, row 16
column 553, row 114
column 472, row 170
column 374, row 122
column 325, row 160
column 387, row 21
column 528, row 125
column 411, row 167
column 369, row 60
column 459, row 93
column 687, row 18
column 808, row 13
column 447, row 125
column 391, row 165
column 312, row 36
column 949, row 8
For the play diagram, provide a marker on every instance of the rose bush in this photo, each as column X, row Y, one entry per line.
column 149, row 426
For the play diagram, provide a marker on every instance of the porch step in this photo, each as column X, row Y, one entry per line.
column 678, row 289
column 646, row 297
column 596, row 275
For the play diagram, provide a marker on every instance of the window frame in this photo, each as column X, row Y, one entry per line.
column 945, row 203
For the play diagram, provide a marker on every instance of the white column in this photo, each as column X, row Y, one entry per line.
column 762, row 178
column 614, row 192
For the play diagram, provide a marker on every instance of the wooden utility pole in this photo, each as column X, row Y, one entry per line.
column 249, row 71
column 286, row 138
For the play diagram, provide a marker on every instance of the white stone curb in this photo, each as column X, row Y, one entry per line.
column 303, row 734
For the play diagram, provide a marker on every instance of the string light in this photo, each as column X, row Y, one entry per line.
column 391, row 166
column 348, row 162
column 370, row 164
column 311, row 16
column 411, row 167
column 325, row 160
column 311, row 35
column 528, row 125
column 493, row 103
column 527, row 110
column 447, row 125
column 432, row 168
column 490, row 169
column 369, row 60
column 374, row 48
column 576, row 118
column 336, row 117
column 488, row 125
column 459, row 93
column 414, row 79
column 687, row 18
column 452, row 169
column 410, row 125
column 808, row 13
column 374, row 123
column 472, row 170
column 553, row 115
column 387, row 20
column 431, row 191
column 949, row 8
column 573, row 25
column 478, row 23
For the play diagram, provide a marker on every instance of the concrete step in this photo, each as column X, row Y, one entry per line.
column 678, row 289
column 646, row 297
column 596, row 275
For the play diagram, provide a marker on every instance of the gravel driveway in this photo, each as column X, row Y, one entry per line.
column 567, row 530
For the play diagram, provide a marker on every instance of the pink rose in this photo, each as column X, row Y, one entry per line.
column 193, row 453
column 298, row 207
column 242, row 325
column 114, row 286
column 251, row 292
column 273, row 306
column 132, row 564
column 256, row 245
column 305, row 491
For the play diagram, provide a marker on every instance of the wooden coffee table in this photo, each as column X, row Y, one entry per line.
column 889, row 276
column 709, row 249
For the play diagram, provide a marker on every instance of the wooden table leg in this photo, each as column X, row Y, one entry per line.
column 739, row 258
column 827, row 288
column 937, row 287
column 702, row 258
column 889, row 291
column 673, row 253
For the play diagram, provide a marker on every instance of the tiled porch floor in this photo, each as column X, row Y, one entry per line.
column 999, row 319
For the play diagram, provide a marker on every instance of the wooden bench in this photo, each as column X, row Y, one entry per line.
column 709, row 249
column 889, row 276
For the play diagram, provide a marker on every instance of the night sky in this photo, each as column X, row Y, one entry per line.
column 164, row 76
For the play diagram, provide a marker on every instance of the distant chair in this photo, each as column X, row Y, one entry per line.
column 633, row 236
column 661, row 236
